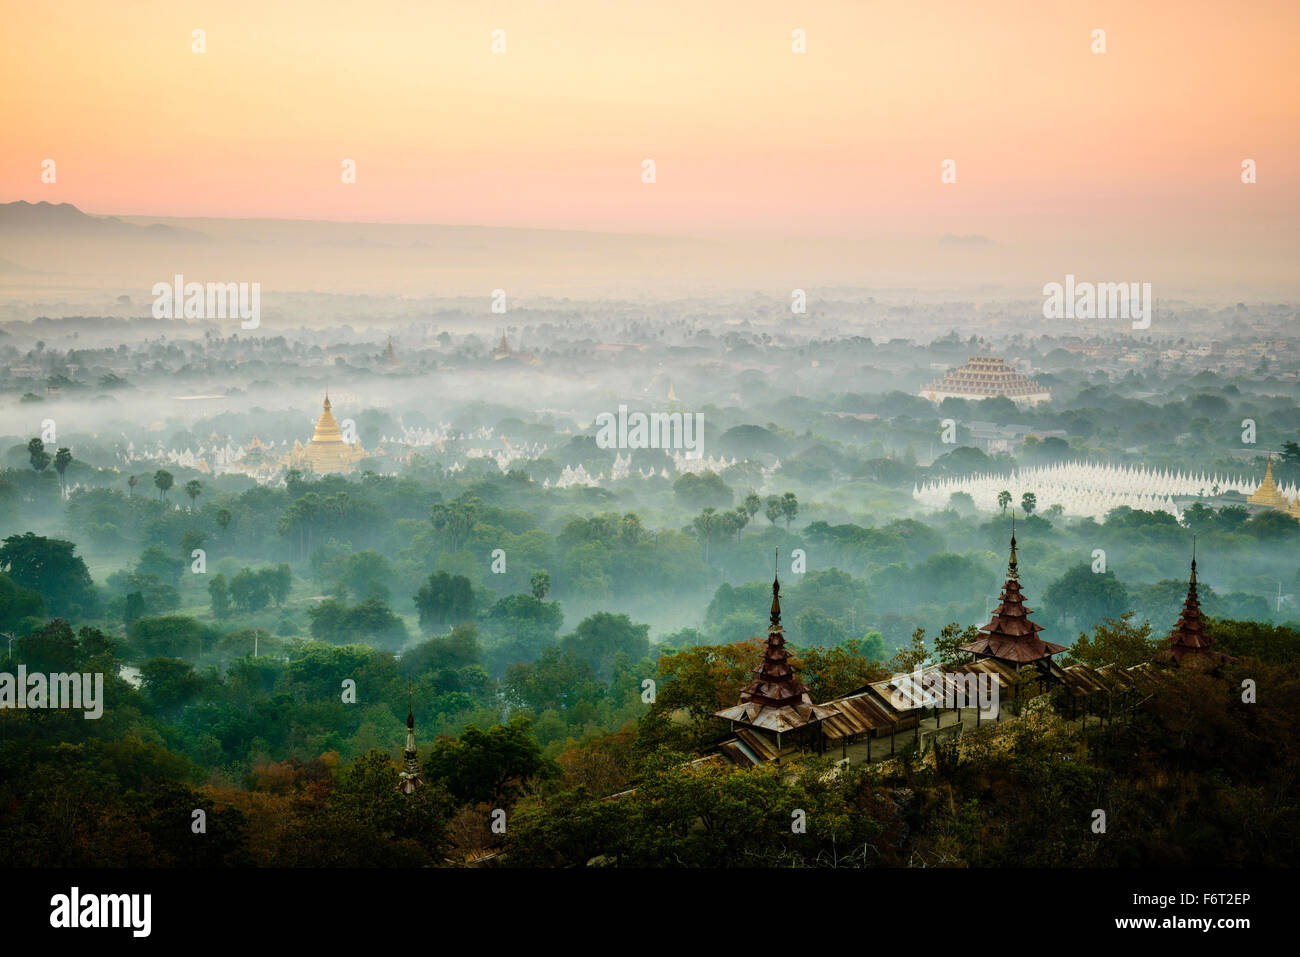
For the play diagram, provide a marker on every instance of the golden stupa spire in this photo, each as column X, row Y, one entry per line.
column 327, row 429
column 1268, row 494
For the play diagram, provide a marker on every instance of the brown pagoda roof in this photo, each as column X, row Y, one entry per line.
column 1189, row 637
column 1010, row 636
column 776, row 699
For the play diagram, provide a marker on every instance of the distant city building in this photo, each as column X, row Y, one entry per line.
column 390, row 357
column 986, row 377
column 503, row 351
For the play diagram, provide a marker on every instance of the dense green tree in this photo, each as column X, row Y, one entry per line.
column 156, row 562
column 1083, row 597
column 19, row 607
column 695, row 491
column 170, row 636
column 1114, row 640
column 444, row 599
column 169, row 683
column 455, row 521
column 602, row 637
column 50, row 567
column 539, row 584
column 36, row 454
column 219, row 593
column 489, row 767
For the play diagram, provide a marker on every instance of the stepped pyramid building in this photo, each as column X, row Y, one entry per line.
column 986, row 377
column 1011, row 637
column 776, row 702
column 326, row 452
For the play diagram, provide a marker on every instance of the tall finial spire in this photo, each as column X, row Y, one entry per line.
column 409, row 778
column 1012, row 570
column 1193, row 560
column 776, row 587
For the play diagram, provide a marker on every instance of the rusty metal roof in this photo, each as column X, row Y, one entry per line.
column 858, row 714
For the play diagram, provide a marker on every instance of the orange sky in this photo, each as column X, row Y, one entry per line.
column 845, row 139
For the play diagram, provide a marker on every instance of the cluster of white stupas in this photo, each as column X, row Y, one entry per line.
column 421, row 438
column 1084, row 489
column 573, row 476
column 690, row 463
column 507, row 456
column 216, row 459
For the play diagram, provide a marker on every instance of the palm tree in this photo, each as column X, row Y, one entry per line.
column 62, row 459
column 130, row 484
column 789, row 507
column 1029, row 502
column 773, row 511
column 223, row 519
column 193, row 488
column 706, row 526
column 1004, row 499
column 163, row 480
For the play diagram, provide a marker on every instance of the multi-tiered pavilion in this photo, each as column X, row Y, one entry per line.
column 775, row 713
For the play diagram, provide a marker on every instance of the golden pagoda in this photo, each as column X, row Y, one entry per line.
column 1267, row 494
column 326, row 452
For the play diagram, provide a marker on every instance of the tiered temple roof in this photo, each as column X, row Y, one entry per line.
column 1010, row 636
column 985, row 377
column 776, row 700
column 1189, row 640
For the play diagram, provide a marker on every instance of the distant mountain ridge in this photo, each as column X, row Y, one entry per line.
column 67, row 219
